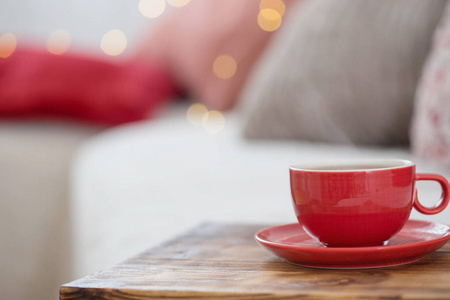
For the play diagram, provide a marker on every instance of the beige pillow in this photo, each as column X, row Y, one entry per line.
column 342, row 71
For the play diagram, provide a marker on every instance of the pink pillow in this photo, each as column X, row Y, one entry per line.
column 430, row 131
column 189, row 39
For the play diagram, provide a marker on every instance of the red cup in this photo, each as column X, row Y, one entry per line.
column 358, row 202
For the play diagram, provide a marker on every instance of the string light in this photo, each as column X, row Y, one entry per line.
column 113, row 42
column 269, row 19
column 152, row 8
column 224, row 66
column 277, row 5
column 195, row 113
column 178, row 3
column 8, row 43
column 58, row 42
column 213, row 121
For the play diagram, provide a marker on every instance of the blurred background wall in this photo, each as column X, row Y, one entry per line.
column 85, row 21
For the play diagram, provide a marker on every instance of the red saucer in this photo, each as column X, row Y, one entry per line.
column 412, row 243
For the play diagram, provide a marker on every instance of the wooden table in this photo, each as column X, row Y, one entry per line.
column 224, row 262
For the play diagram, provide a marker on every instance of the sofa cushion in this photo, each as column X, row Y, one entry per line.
column 342, row 71
column 36, row 83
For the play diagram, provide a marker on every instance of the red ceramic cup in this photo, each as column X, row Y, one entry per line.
column 358, row 202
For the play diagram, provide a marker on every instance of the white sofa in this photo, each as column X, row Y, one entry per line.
column 138, row 185
column 75, row 200
column 35, row 250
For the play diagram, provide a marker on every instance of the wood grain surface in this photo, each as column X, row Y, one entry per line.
column 223, row 261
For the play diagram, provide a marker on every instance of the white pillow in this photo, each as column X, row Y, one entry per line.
column 430, row 133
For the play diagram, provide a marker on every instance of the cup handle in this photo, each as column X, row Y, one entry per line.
column 445, row 198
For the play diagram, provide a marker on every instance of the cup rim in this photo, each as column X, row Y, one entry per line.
column 320, row 166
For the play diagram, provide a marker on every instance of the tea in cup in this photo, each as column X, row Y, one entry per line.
column 358, row 202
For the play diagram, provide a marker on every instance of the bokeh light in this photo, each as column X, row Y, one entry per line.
column 8, row 43
column 269, row 19
column 152, row 8
column 277, row 5
column 213, row 121
column 224, row 66
column 195, row 113
column 113, row 42
column 58, row 42
column 178, row 3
